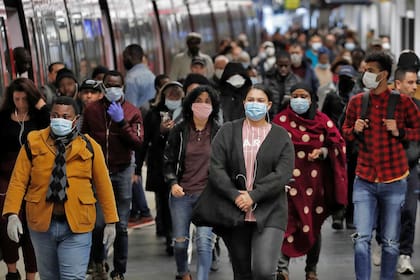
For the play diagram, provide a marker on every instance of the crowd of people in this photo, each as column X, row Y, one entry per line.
column 312, row 126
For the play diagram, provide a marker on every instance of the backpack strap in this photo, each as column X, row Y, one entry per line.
column 28, row 151
column 393, row 100
column 365, row 105
column 88, row 144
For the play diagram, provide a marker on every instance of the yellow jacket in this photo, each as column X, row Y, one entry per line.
column 30, row 181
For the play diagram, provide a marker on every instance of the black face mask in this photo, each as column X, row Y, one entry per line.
column 194, row 50
column 345, row 86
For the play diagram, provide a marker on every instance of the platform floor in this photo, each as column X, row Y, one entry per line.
column 148, row 260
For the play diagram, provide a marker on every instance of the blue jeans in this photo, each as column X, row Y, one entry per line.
column 121, row 183
column 181, row 211
column 60, row 253
column 372, row 199
column 139, row 203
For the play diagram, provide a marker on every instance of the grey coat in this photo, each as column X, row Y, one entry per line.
column 274, row 166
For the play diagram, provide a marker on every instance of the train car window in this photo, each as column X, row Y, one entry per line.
column 220, row 14
column 203, row 24
column 149, row 35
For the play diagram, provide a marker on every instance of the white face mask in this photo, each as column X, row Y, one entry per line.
column 270, row 51
column 236, row 81
column 369, row 80
column 218, row 73
column 316, row 46
column 386, row 46
column 296, row 59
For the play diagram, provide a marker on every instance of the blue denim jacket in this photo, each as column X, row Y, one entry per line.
column 139, row 85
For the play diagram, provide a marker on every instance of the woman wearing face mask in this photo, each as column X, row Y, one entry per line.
column 323, row 68
column 22, row 111
column 233, row 87
column 251, row 175
column 320, row 178
column 157, row 125
column 186, row 161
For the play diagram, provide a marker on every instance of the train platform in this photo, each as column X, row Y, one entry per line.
column 147, row 258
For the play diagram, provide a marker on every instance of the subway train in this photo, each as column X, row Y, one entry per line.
column 87, row 33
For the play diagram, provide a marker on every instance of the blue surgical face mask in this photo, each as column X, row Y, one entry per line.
column 61, row 127
column 255, row 110
column 173, row 104
column 299, row 105
column 114, row 94
column 324, row 66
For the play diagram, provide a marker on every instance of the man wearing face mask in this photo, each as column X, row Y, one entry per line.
column 279, row 80
column 266, row 58
column 312, row 53
column 382, row 167
column 220, row 63
column 233, row 87
column 55, row 173
column 302, row 67
column 117, row 126
column 181, row 63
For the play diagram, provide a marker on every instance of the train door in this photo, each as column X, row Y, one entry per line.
column 200, row 13
column 22, row 37
column 174, row 27
column 219, row 9
column 5, row 75
column 87, row 36
column 149, row 35
column 252, row 28
column 50, row 34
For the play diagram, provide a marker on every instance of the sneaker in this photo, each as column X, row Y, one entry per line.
column 100, row 271
column 376, row 255
column 282, row 276
column 311, row 275
column 404, row 265
column 142, row 222
column 117, row 276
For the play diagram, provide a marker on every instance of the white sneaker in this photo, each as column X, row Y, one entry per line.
column 376, row 255
column 404, row 265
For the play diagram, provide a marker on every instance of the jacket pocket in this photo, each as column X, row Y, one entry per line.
column 87, row 209
column 81, row 165
column 32, row 207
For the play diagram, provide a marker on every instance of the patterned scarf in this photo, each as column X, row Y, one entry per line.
column 58, row 181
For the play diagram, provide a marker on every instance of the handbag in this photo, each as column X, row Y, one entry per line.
column 215, row 210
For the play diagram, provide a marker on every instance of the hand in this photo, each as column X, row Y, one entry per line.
column 244, row 201
column 314, row 155
column 116, row 112
column 177, row 191
column 391, row 125
column 109, row 236
column 167, row 125
column 14, row 227
column 360, row 125
column 135, row 178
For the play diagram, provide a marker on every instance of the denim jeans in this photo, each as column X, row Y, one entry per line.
column 139, row 203
column 60, row 253
column 121, row 183
column 372, row 199
column 409, row 212
column 181, row 211
column 254, row 254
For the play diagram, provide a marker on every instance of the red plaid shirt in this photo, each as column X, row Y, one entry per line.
column 382, row 156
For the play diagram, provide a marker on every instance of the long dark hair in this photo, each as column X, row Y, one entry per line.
column 25, row 85
column 190, row 98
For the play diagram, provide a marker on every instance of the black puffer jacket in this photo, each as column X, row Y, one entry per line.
column 231, row 98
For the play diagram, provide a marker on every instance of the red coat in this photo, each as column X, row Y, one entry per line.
column 318, row 185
